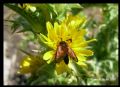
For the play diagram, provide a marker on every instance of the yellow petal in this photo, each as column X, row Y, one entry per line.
column 61, row 67
column 43, row 38
column 46, row 40
column 49, row 29
column 81, row 58
column 86, row 52
column 49, row 26
column 78, row 39
column 49, row 61
column 82, row 63
column 48, row 55
column 56, row 28
column 51, row 32
column 81, row 43
column 91, row 40
column 64, row 32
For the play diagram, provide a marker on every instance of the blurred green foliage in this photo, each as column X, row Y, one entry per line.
column 103, row 66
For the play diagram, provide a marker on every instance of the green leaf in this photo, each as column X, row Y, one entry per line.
column 33, row 22
column 46, row 11
column 75, row 6
column 62, row 9
column 14, row 26
column 18, row 22
column 44, row 73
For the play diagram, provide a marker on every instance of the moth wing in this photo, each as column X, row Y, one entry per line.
column 59, row 55
column 72, row 54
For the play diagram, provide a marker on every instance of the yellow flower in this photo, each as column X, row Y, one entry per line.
column 30, row 64
column 69, row 33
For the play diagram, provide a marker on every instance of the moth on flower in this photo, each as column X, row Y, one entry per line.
column 63, row 51
column 67, row 41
